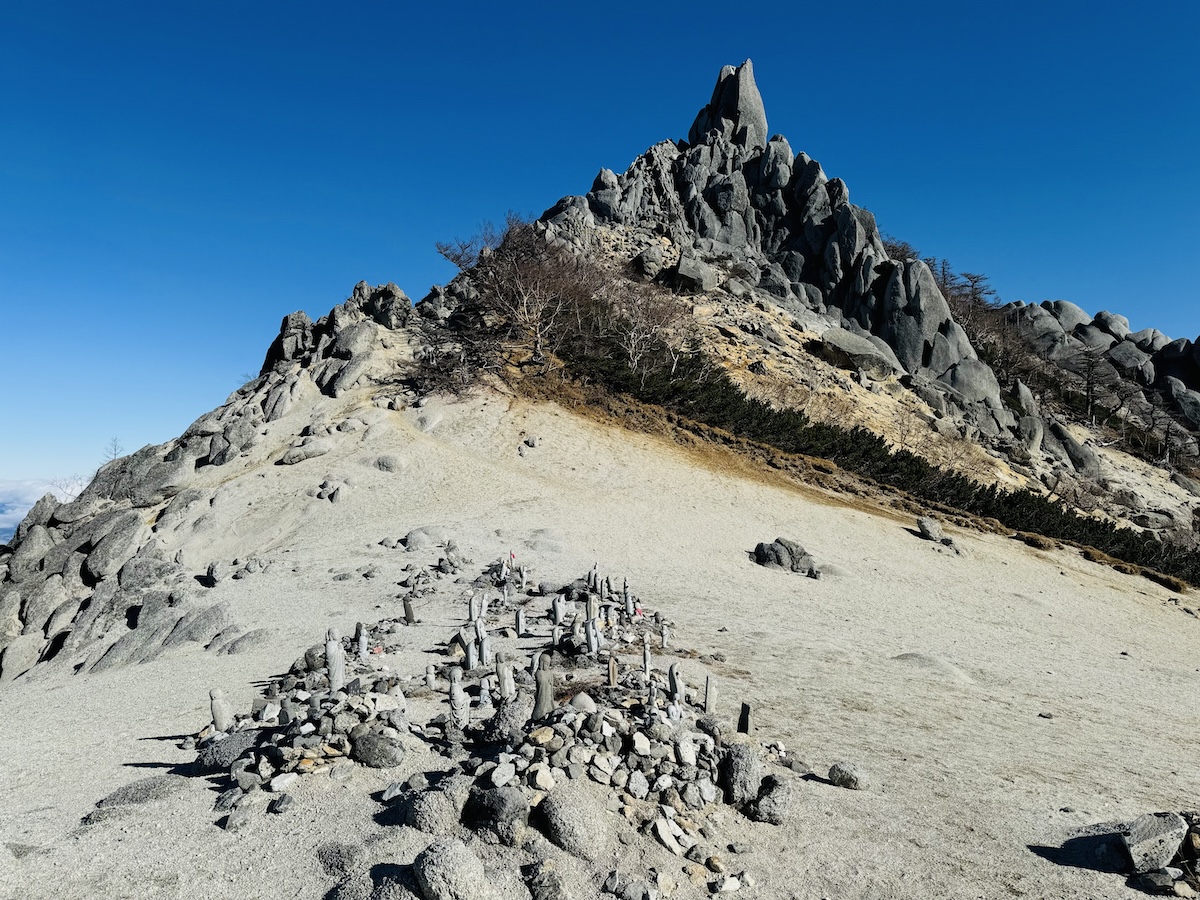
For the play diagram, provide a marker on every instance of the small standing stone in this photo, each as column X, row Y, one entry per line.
column 520, row 623
column 743, row 726
column 430, row 677
column 612, row 671
column 544, row 699
column 222, row 710
column 335, row 660
column 360, row 639
column 410, row 616
column 504, row 677
column 710, row 696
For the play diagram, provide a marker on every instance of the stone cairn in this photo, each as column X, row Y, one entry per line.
column 601, row 698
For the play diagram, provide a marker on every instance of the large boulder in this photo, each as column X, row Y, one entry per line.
column 845, row 348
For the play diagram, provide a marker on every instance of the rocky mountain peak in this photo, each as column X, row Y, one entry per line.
column 735, row 111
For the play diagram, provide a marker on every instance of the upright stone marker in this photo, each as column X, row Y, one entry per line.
column 221, row 708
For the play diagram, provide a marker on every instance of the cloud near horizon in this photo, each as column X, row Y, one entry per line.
column 17, row 496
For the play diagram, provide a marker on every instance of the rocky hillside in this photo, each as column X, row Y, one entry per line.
column 786, row 288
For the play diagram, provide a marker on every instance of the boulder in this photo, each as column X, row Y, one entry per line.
column 694, row 275
column 378, row 751
column 741, row 774
column 1153, row 840
column 1085, row 460
column 972, row 380
column 784, row 554
column 20, row 655
column 433, row 812
column 502, row 813
column 448, row 870
column 569, row 821
column 1117, row 326
column 848, row 775
column 844, row 348
column 1068, row 314
column 116, row 547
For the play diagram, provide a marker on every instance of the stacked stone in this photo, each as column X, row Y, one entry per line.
column 310, row 721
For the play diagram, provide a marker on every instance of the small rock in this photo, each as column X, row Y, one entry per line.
column 847, row 775
column 930, row 529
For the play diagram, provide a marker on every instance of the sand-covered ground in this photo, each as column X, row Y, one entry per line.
column 998, row 699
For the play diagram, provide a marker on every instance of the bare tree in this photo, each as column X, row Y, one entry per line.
column 114, row 449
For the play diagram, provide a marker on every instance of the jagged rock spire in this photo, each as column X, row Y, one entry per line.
column 736, row 110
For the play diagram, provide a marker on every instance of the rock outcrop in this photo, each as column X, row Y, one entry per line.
column 737, row 205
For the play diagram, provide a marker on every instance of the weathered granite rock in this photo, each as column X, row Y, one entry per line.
column 1153, row 840
column 784, row 554
column 850, row 776
column 741, row 774
column 845, row 348
column 501, row 812
column 735, row 111
column 379, row 751
column 448, row 870
column 569, row 822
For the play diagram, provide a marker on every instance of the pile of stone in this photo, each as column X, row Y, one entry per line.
column 528, row 745
column 313, row 720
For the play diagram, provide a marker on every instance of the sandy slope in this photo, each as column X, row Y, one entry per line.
column 928, row 669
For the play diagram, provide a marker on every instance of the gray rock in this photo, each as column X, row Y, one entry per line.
column 448, row 870
column 546, row 884
column 379, row 751
column 694, row 275
column 784, row 554
column 774, row 803
column 433, row 812
column 570, row 822
column 145, row 790
column 1093, row 338
column 1068, row 314
column 973, row 380
column 848, row 775
column 29, row 557
column 251, row 640
column 930, row 529
column 1153, row 840
column 337, row 858
column 844, row 348
column 116, row 547
column 200, row 625
column 218, row 756
column 20, row 655
column 502, row 812
column 1085, row 460
column 638, row 786
column 310, row 449
column 741, row 774
column 735, row 111
column 39, row 514
column 1116, row 325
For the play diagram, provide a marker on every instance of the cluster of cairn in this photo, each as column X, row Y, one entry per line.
column 591, row 705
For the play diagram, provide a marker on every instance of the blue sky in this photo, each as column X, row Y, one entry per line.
column 174, row 180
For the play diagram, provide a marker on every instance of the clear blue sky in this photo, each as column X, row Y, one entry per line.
column 175, row 178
